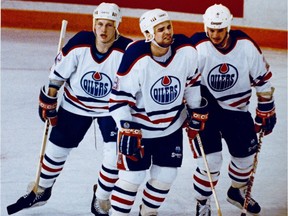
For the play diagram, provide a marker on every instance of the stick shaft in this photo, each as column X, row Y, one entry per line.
column 46, row 128
column 251, row 178
column 209, row 174
column 62, row 35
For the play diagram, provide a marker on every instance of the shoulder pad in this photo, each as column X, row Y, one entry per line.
column 83, row 38
column 240, row 35
column 121, row 43
column 134, row 52
column 198, row 38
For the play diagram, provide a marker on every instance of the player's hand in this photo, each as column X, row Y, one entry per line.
column 129, row 140
column 47, row 107
column 198, row 118
column 265, row 119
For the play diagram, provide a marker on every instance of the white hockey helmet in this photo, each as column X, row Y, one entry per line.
column 150, row 19
column 217, row 16
column 108, row 11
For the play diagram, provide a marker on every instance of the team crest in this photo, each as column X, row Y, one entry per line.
column 96, row 84
column 177, row 153
column 166, row 90
column 222, row 77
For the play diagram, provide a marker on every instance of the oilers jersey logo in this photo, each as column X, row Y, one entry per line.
column 165, row 90
column 96, row 84
column 222, row 77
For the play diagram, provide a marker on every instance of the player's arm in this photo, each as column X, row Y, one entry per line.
column 196, row 105
column 265, row 119
column 64, row 65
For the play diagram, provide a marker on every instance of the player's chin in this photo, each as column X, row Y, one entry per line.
column 166, row 42
column 103, row 37
column 216, row 41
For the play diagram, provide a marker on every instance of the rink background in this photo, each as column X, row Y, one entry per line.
column 26, row 57
column 267, row 30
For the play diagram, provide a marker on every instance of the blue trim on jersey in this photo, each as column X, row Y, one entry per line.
column 58, row 75
column 140, row 49
column 87, row 39
column 176, row 117
column 75, row 105
column 122, row 93
column 179, row 107
column 227, row 97
column 117, row 106
column 87, row 99
column 235, row 35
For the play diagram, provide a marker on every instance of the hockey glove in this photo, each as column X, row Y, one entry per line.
column 47, row 107
column 197, row 120
column 129, row 140
column 265, row 119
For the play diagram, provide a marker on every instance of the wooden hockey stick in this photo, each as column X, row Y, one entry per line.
column 251, row 179
column 46, row 128
column 209, row 174
column 26, row 200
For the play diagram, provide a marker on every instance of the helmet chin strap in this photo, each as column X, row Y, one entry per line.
column 154, row 42
column 158, row 45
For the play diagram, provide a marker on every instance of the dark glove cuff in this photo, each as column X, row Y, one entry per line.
column 266, row 106
column 203, row 109
column 45, row 98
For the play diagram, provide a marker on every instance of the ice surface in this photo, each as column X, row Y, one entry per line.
column 26, row 56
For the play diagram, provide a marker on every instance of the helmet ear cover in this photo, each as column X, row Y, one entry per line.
column 217, row 16
column 149, row 20
column 109, row 11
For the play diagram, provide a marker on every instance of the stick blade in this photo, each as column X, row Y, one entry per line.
column 22, row 202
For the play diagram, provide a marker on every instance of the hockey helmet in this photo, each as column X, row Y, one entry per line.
column 217, row 16
column 108, row 11
column 150, row 19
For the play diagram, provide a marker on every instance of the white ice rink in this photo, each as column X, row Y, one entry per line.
column 26, row 57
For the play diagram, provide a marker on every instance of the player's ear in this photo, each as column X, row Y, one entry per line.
column 148, row 36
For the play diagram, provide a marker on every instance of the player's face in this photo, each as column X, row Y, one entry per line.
column 217, row 36
column 164, row 33
column 105, row 30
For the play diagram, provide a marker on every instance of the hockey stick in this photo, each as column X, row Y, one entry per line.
column 251, row 179
column 26, row 200
column 46, row 128
column 209, row 174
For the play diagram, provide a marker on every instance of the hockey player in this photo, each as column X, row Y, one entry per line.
column 230, row 63
column 86, row 67
column 147, row 103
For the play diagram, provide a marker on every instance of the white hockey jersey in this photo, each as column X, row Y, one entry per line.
column 151, row 93
column 88, row 77
column 229, row 75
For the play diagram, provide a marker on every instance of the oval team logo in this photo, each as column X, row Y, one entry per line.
column 222, row 77
column 96, row 84
column 165, row 90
